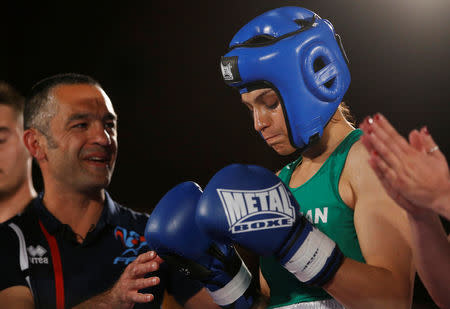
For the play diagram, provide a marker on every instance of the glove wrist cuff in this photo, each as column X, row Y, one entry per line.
column 313, row 257
column 233, row 289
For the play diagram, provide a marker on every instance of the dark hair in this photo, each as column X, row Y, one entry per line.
column 11, row 97
column 39, row 105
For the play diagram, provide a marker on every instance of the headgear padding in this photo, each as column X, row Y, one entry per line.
column 296, row 53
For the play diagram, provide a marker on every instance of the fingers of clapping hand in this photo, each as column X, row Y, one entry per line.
column 382, row 169
column 386, row 149
column 387, row 178
column 429, row 145
column 415, row 140
column 389, row 134
column 385, row 140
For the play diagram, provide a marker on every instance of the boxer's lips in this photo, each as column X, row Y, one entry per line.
column 272, row 139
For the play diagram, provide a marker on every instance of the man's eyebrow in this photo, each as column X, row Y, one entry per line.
column 110, row 116
column 77, row 117
column 82, row 116
column 259, row 96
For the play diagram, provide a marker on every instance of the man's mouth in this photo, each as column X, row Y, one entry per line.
column 99, row 159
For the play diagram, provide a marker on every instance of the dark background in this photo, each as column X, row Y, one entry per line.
column 158, row 62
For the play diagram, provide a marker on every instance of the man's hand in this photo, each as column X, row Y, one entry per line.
column 124, row 294
column 125, row 291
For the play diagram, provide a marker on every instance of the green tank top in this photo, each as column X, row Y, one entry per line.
column 321, row 203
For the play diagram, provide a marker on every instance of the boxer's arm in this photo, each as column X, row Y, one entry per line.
column 386, row 280
column 431, row 250
column 17, row 297
column 265, row 289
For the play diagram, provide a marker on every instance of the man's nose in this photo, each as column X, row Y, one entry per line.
column 101, row 135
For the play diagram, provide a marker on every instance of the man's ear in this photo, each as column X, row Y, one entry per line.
column 34, row 141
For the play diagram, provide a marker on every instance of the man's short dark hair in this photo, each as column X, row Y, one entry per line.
column 11, row 97
column 39, row 106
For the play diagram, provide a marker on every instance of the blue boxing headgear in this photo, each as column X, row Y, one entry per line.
column 298, row 54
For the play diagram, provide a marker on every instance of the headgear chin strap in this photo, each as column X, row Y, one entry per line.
column 298, row 54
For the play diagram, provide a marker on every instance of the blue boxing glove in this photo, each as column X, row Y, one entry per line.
column 171, row 231
column 250, row 206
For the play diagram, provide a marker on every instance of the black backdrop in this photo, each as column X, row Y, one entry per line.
column 158, row 61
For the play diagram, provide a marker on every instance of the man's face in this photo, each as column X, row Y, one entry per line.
column 15, row 159
column 83, row 147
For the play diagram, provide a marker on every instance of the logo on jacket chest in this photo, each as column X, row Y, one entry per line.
column 132, row 242
column 37, row 255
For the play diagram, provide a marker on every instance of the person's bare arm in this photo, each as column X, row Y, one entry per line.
column 386, row 280
column 124, row 294
column 16, row 297
column 432, row 256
